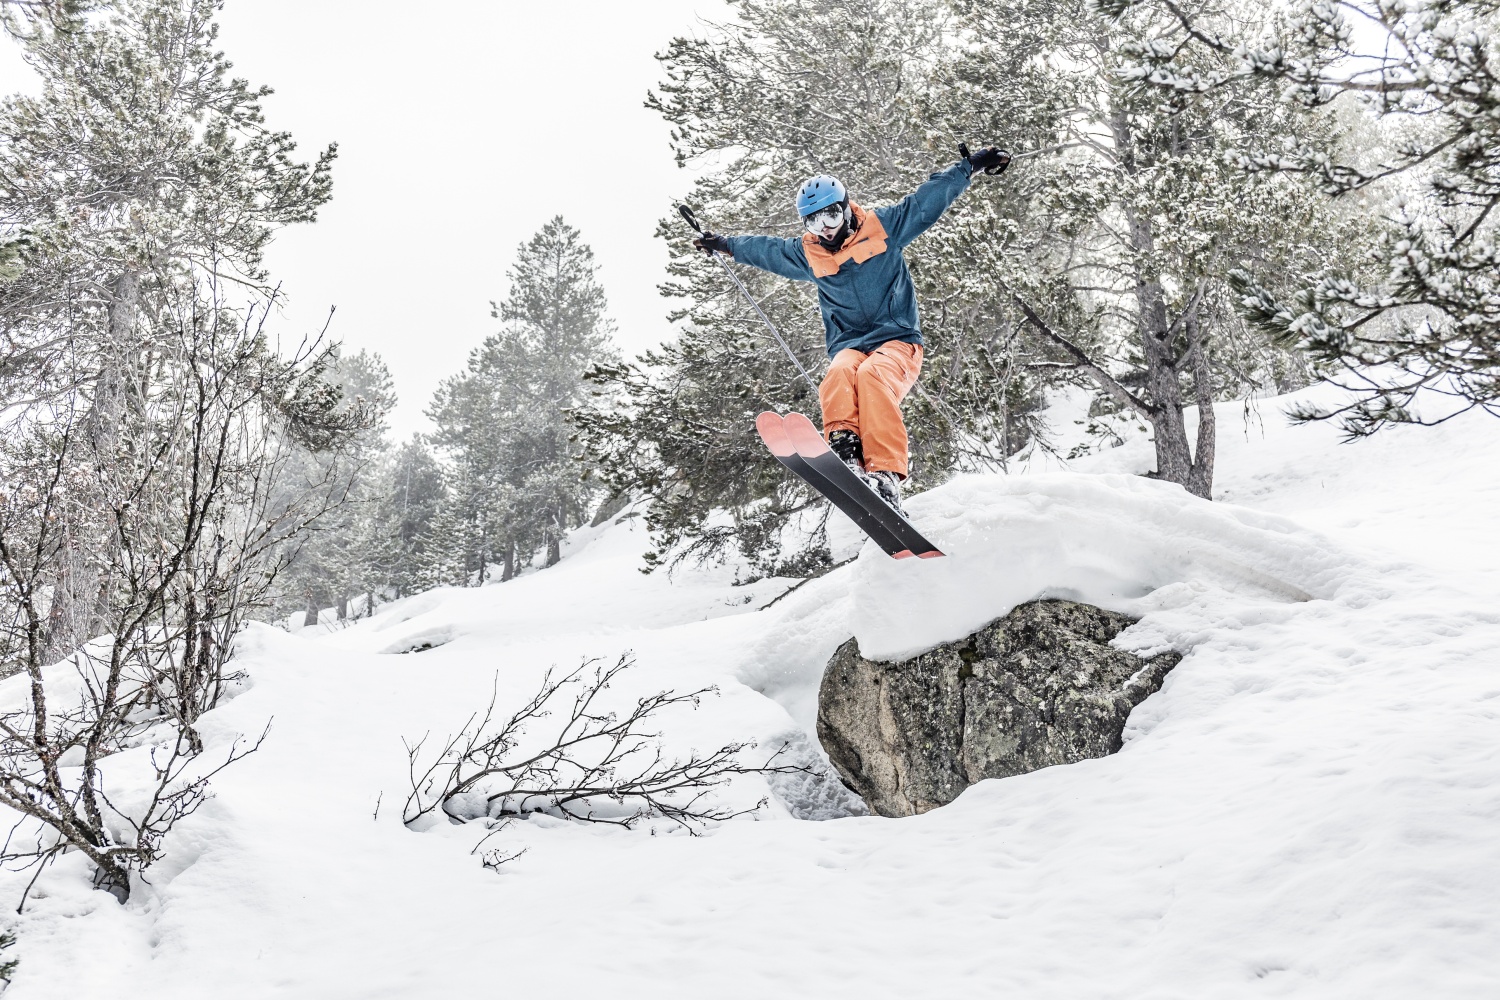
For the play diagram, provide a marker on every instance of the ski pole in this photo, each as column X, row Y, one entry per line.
column 687, row 214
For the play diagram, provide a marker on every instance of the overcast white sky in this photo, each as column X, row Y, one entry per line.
column 462, row 127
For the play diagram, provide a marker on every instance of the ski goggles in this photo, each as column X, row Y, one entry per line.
column 824, row 218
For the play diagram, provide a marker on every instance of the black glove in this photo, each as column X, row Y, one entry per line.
column 992, row 160
column 711, row 243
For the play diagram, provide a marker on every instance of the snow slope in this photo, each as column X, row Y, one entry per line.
column 1309, row 807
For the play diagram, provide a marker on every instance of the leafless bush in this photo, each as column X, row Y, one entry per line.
column 144, row 416
column 594, row 766
column 125, row 573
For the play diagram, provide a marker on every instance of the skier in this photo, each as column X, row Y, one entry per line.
column 869, row 306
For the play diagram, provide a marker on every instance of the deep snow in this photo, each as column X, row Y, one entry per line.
column 1309, row 807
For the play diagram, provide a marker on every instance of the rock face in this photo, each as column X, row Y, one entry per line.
column 1040, row 686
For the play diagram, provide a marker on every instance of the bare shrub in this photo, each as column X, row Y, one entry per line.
column 142, row 568
column 144, row 416
column 592, row 766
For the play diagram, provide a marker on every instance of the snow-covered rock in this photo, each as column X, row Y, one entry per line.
column 1039, row 687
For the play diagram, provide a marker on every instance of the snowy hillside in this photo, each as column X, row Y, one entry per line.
column 1309, row 807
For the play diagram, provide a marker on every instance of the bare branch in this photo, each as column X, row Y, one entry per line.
column 595, row 766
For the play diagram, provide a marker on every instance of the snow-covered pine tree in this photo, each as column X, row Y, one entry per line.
column 558, row 306
column 409, row 493
column 475, row 413
column 456, row 547
column 1115, row 244
column 19, row 18
column 140, row 168
column 335, row 558
column 792, row 89
column 145, row 410
column 520, row 480
column 1425, row 314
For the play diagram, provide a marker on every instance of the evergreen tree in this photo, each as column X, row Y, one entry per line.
column 791, row 90
column 1114, row 246
column 337, row 557
column 144, row 411
column 454, row 548
column 411, row 492
column 519, row 479
column 138, row 190
column 1424, row 312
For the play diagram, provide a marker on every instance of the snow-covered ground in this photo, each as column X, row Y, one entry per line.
column 1309, row 807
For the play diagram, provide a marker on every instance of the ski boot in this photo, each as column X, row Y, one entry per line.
column 887, row 486
column 847, row 446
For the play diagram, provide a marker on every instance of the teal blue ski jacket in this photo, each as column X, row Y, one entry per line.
column 865, row 290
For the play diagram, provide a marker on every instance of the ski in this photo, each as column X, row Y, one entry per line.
column 771, row 430
column 814, row 451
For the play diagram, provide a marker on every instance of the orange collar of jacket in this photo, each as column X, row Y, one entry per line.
column 867, row 240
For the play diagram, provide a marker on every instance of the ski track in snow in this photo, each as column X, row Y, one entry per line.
column 1309, row 807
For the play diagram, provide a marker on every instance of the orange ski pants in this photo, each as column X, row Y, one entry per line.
column 863, row 392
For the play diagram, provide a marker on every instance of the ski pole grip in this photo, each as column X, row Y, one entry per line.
column 687, row 214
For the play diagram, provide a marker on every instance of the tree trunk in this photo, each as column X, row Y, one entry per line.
column 508, row 571
column 1174, row 456
column 80, row 597
column 62, row 630
column 554, row 536
column 310, row 616
column 1174, row 453
column 1201, row 482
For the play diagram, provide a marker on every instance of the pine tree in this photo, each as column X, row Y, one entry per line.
column 1114, row 247
column 453, row 548
column 1423, row 314
column 410, row 491
column 336, row 558
column 520, row 480
column 140, row 185
column 788, row 91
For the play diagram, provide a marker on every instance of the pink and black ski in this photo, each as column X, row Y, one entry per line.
column 798, row 446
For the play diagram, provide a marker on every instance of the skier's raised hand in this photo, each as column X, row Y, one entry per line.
column 711, row 243
column 992, row 159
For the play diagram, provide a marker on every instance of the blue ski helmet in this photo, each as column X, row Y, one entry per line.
column 819, row 192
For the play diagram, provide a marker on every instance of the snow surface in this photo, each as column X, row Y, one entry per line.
column 1309, row 807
